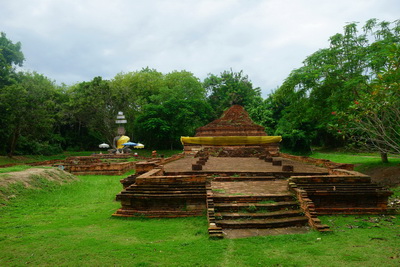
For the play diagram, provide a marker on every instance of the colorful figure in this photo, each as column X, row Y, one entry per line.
column 122, row 140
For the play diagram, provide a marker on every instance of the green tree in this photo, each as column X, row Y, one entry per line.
column 331, row 79
column 373, row 120
column 177, row 110
column 134, row 90
column 263, row 112
column 138, row 87
column 229, row 88
column 182, row 85
column 30, row 107
column 10, row 57
column 161, row 126
column 90, row 113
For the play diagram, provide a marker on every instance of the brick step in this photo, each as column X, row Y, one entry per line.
column 167, row 188
column 252, row 198
column 171, row 191
column 341, row 187
column 156, row 213
column 354, row 210
column 119, row 172
column 345, row 190
column 215, row 231
column 245, row 178
column 263, row 223
column 264, row 215
column 338, row 184
column 268, row 206
column 349, row 193
column 325, row 179
column 344, row 187
column 175, row 185
column 133, row 195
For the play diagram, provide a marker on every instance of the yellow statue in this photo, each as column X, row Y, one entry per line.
column 122, row 140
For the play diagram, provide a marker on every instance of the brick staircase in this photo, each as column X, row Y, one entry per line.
column 273, row 207
column 268, row 211
column 162, row 197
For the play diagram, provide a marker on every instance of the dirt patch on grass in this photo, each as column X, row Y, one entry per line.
column 12, row 182
column 385, row 176
column 243, row 233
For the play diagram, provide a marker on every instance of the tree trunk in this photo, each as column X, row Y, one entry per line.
column 13, row 142
column 384, row 157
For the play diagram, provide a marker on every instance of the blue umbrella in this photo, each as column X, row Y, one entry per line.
column 129, row 144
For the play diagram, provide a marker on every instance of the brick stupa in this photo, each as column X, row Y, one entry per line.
column 234, row 131
column 234, row 122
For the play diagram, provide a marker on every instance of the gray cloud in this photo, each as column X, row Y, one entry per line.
column 72, row 40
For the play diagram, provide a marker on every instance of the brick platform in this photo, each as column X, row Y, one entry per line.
column 249, row 196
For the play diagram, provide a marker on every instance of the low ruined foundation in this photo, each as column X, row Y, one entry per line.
column 305, row 191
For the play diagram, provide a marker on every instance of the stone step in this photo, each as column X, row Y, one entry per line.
column 185, row 191
column 263, row 223
column 350, row 193
column 252, row 198
column 261, row 215
column 340, row 184
column 268, row 206
column 354, row 210
column 169, row 185
column 245, row 178
column 167, row 188
column 338, row 187
column 156, row 213
column 183, row 195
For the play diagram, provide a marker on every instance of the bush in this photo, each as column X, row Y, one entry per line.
column 296, row 141
column 38, row 148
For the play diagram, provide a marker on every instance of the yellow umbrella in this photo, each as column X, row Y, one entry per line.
column 139, row 145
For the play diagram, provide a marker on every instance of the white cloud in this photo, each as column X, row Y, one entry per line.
column 73, row 40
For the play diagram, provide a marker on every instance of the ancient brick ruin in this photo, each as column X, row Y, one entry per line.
column 241, row 135
column 99, row 164
column 248, row 190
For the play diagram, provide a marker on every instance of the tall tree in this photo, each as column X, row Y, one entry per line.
column 177, row 110
column 90, row 113
column 30, row 107
column 331, row 79
column 10, row 57
column 373, row 120
column 229, row 88
column 134, row 90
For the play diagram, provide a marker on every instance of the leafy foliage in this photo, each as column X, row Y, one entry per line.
column 29, row 112
column 10, row 56
column 176, row 111
column 333, row 78
column 345, row 93
column 230, row 88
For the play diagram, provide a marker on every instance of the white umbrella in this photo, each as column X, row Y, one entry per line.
column 104, row 145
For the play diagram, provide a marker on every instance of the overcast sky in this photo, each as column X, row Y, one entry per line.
column 72, row 41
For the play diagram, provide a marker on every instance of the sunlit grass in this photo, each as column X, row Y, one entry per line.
column 72, row 225
column 15, row 168
column 362, row 161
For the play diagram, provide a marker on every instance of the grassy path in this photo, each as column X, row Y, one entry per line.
column 71, row 225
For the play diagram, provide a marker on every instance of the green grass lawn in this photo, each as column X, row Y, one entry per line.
column 362, row 161
column 71, row 225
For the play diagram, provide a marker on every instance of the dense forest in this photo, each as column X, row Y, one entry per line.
column 347, row 94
